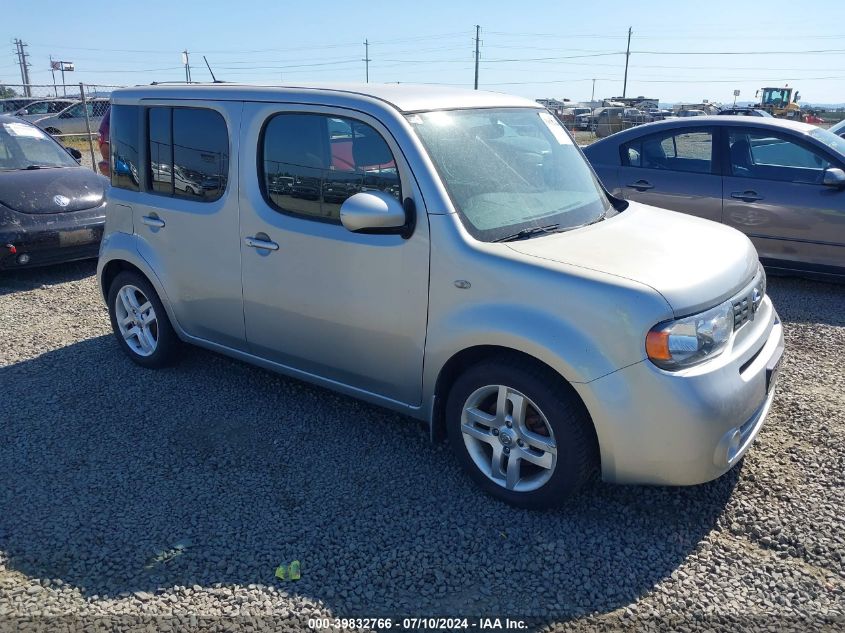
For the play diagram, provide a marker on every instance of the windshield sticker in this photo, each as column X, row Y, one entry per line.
column 22, row 129
column 556, row 129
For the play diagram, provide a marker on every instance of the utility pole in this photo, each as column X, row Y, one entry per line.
column 187, row 61
column 53, row 72
column 627, row 55
column 367, row 60
column 593, row 96
column 477, row 40
column 24, row 64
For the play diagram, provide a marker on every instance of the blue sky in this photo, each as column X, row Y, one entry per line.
column 536, row 49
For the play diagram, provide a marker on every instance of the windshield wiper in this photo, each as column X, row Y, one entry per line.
column 525, row 233
column 598, row 219
column 40, row 166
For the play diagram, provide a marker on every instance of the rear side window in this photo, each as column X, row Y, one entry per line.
column 690, row 151
column 124, row 136
column 188, row 150
column 311, row 163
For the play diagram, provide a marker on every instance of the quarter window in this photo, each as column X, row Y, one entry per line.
column 124, row 137
column 188, row 151
column 311, row 163
column 690, row 151
column 770, row 156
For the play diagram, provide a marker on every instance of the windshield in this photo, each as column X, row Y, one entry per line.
column 839, row 128
column 776, row 96
column 44, row 107
column 508, row 170
column 24, row 146
column 834, row 142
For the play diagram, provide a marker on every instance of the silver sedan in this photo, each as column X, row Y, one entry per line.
column 781, row 183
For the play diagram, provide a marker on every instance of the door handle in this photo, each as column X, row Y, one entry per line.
column 747, row 196
column 255, row 242
column 641, row 185
column 153, row 221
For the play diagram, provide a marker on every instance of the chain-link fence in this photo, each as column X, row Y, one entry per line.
column 71, row 113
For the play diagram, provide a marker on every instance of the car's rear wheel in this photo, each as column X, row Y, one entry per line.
column 140, row 322
column 521, row 432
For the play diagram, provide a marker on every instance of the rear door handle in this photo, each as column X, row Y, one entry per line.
column 255, row 242
column 747, row 196
column 641, row 185
column 153, row 221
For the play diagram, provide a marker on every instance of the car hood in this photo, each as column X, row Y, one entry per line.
column 693, row 263
column 51, row 190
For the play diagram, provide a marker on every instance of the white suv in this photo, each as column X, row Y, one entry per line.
column 447, row 254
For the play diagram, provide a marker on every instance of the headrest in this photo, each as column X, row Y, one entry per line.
column 370, row 150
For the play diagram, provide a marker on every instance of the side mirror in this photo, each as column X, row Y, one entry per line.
column 373, row 212
column 74, row 152
column 834, row 177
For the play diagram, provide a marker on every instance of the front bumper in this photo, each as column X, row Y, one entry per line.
column 51, row 239
column 690, row 426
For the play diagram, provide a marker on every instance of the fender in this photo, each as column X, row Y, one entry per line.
column 123, row 247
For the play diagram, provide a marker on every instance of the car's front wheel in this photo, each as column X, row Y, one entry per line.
column 521, row 432
column 140, row 322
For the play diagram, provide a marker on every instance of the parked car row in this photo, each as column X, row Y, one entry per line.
column 614, row 118
column 59, row 116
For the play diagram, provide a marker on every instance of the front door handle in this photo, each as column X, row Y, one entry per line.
column 153, row 221
column 747, row 196
column 641, row 185
column 257, row 242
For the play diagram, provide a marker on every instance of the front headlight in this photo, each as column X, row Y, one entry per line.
column 684, row 342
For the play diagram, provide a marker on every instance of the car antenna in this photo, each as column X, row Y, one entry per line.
column 214, row 79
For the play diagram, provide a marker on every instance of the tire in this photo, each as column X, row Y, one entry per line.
column 552, row 435
column 140, row 322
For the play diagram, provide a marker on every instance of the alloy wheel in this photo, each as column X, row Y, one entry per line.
column 136, row 320
column 508, row 438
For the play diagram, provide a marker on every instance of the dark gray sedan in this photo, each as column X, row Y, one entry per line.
column 780, row 182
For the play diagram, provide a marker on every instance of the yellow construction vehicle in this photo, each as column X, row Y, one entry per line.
column 779, row 102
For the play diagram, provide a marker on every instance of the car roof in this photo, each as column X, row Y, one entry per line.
column 403, row 97
column 708, row 120
column 11, row 118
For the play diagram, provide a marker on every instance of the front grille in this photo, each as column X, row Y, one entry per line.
column 741, row 313
column 746, row 303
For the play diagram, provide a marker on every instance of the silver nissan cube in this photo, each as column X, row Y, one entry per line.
column 447, row 254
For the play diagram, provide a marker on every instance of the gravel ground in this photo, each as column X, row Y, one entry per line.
column 165, row 500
